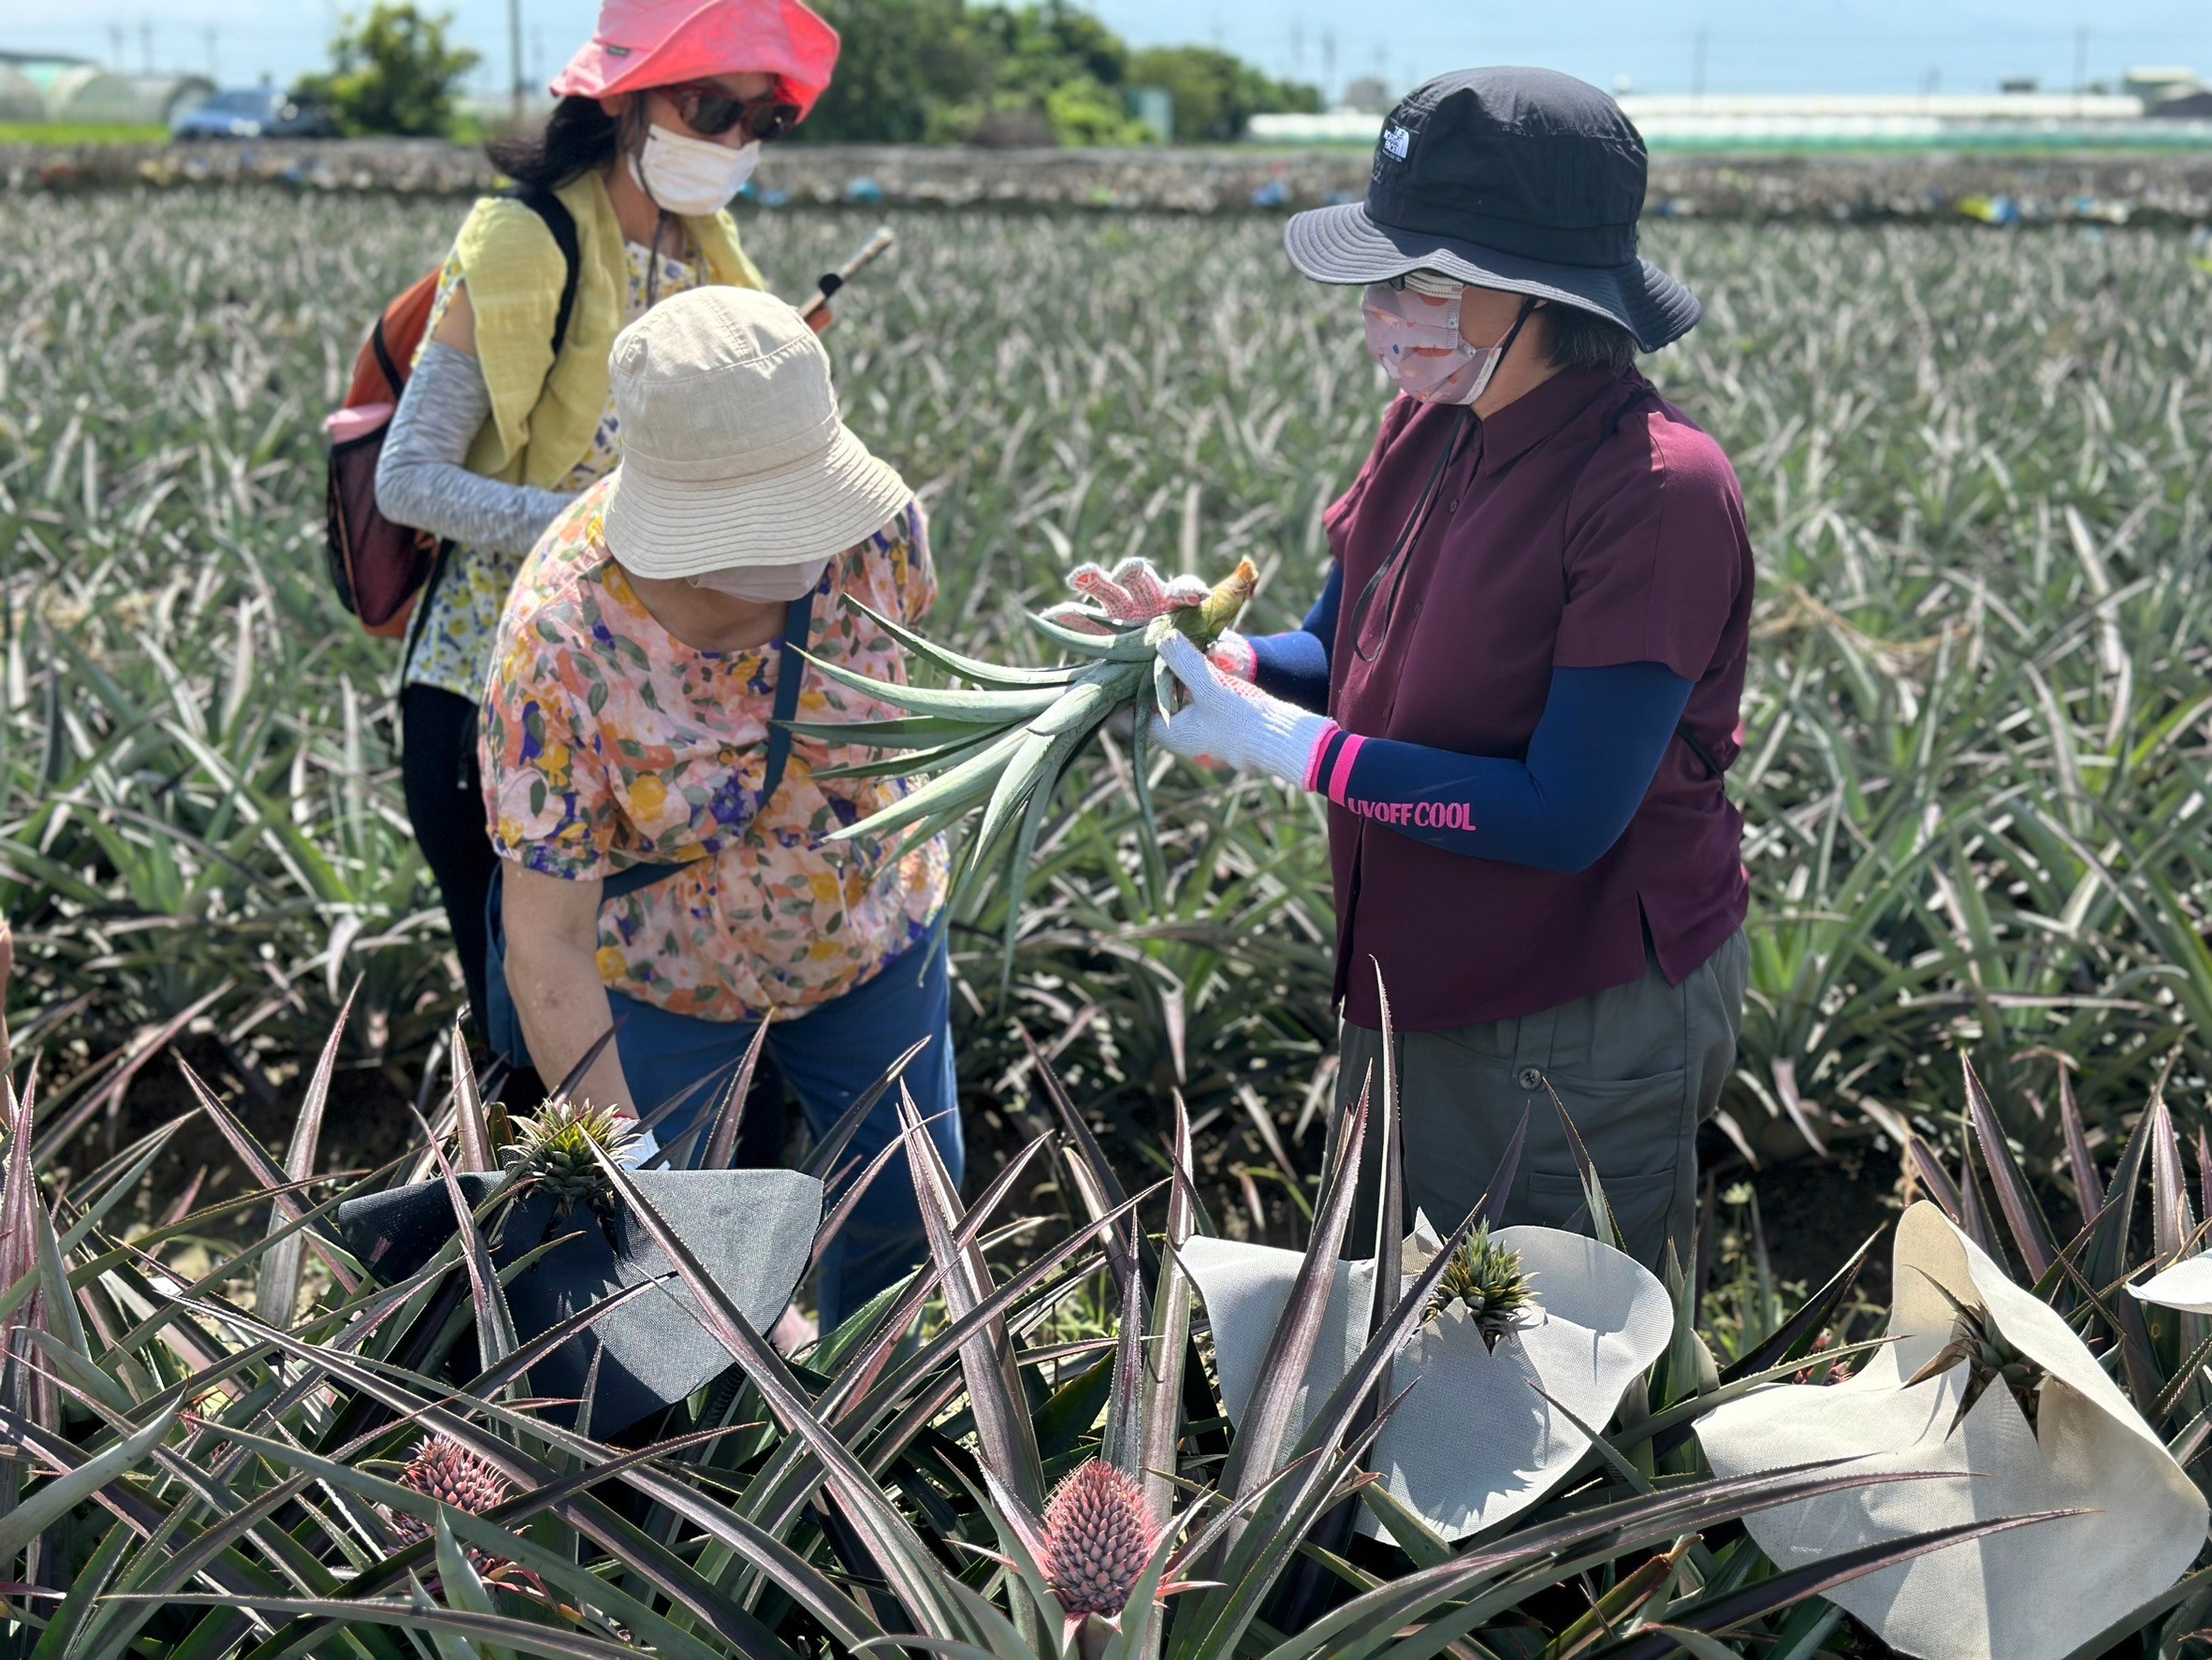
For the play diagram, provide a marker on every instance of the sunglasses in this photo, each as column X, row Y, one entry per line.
column 710, row 112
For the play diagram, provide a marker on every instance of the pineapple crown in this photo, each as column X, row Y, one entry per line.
column 1978, row 1344
column 551, row 1150
column 1099, row 1534
column 1486, row 1281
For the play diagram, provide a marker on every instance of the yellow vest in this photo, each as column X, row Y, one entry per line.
column 544, row 410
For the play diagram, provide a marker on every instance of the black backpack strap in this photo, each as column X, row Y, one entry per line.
column 392, row 377
column 562, row 225
column 790, row 672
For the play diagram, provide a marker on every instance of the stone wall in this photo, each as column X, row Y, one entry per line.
column 2102, row 189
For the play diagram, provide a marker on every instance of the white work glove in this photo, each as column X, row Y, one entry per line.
column 1132, row 595
column 642, row 1150
column 1234, row 722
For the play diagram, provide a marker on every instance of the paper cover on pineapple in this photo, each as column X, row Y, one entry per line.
column 2033, row 1593
column 753, row 1230
column 1472, row 1441
column 2186, row 1286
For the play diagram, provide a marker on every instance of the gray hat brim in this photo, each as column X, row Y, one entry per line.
column 1345, row 245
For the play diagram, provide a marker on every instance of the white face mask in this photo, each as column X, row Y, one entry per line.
column 693, row 177
column 763, row 584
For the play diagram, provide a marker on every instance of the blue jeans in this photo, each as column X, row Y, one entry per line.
column 829, row 1056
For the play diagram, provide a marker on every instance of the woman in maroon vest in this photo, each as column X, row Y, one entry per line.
column 1519, row 688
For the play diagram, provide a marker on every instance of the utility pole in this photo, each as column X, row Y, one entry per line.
column 1298, row 49
column 2081, row 62
column 1697, row 63
column 115, row 46
column 214, row 55
column 515, row 55
column 146, row 46
column 1329, row 67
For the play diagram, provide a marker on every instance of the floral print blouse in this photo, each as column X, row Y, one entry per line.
column 451, row 647
column 607, row 741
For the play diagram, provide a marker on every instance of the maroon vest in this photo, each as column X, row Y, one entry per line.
column 1587, row 523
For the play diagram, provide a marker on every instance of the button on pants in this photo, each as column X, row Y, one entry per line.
column 828, row 1056
column 1638, row 1068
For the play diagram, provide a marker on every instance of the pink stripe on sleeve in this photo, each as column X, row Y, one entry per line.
column 1313, row 763
column 1340, row 776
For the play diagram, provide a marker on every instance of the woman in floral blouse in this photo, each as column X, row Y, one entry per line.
column 506, row 415
column 628, row 726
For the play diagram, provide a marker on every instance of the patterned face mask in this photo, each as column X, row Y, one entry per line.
column 1414, row 332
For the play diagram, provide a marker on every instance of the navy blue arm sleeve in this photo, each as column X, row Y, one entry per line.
column 1295, row 666
column 1590, row 762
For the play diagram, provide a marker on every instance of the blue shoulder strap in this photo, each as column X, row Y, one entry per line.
column 790, row 672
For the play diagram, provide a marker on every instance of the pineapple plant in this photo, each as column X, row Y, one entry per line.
column 1004, row 745
column 551, row 1152
column 1486, row 1283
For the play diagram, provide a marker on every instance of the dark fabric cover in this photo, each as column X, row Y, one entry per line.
column 752, row 1230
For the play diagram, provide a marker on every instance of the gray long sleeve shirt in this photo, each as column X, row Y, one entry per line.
column 422, row 478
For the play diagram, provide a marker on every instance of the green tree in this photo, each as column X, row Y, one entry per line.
column 902, row 67
column 945, row 71
column 393, row 71
column 1215, row 93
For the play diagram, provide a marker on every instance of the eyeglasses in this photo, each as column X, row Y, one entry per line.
column 710, row 112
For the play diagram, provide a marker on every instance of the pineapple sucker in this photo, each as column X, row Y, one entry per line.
column 551, row 1152
column 1488, row 1283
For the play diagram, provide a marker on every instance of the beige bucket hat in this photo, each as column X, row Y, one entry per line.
column 732, row 454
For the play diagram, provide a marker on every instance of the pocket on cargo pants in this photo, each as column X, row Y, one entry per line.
column 1641, row 1135
column 1635, row 1068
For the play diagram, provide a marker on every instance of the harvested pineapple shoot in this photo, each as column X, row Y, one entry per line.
column 1003, row 744
column 1485, row 1282
column 1976, row 1342
column 551, row 1152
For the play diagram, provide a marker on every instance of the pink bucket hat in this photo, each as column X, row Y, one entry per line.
column 644, row 43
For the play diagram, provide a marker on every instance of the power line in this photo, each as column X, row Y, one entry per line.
column 515, row 55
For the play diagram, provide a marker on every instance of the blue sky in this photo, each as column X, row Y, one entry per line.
column 1750, row 45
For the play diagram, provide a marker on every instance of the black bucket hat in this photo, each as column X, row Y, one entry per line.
column 1523, row 180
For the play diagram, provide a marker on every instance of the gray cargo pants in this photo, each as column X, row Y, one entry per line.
column 1638, row 1068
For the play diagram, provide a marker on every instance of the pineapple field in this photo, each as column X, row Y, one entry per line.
column 1139, row 1418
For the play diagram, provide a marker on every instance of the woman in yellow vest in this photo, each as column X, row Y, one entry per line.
column 508, row 415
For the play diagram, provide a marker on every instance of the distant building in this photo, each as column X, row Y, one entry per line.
column 1846, row 120
column 1155, row 107
column 2196, row 106
column 55, row 86
column 1335, row 126
column 2160, row 85
column 20, row 98
column 1369, row 94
